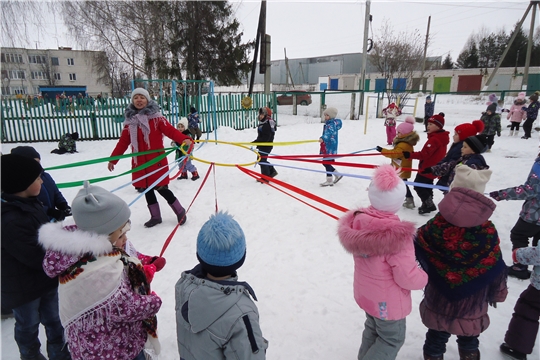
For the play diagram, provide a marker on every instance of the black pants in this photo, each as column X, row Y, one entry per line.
column 329, row 168
column 409, row 194
column 266, row 169
column 522, row 231
column 435, row 344
column 424, row 193
column 163, row 191
column 514, row 126
column 490, row 140
column 523, row 327
column 527, row 127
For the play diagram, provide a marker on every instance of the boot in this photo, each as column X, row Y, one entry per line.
column 427, row 206
column 328, row 182
column 155, row 214
column 182, row 176
column 195, row 175
column 409, row 203
column 429, row 357
column 273, row 173
column 337, row 178
column 511, row 132
column 469, row 354
column 519, row 271
column 514, row 354
column 179, row 211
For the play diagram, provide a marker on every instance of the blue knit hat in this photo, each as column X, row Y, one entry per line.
column 221, row 245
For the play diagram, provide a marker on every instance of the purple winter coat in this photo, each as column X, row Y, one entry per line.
column 113, row 327
column 385, row 269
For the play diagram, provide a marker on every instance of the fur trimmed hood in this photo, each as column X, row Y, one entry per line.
column 412, row 139
column 369, row 232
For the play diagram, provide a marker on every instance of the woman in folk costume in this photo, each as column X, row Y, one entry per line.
column 459, row 250
column 106, row 306
column 144, row 129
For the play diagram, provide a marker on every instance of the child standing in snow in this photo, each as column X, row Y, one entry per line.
column 385, row 267
column 528, row 223
column 182, row 126
column 459, row 249
column 429, row 107
column 492, row 124
column 391, row 112
column 329, row 144
column 194, row 121
column 266, row 131
column 523, row 328
column 516, row 114
column 216, row 317
column 106, row 305
column 405, row 139
column 532, row 114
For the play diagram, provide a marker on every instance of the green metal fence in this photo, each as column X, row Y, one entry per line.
column 33, row 120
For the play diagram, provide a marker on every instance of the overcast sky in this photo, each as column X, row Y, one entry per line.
column 318, row 28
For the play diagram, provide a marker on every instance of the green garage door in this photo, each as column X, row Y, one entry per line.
column 533, row 83
column 442, row 84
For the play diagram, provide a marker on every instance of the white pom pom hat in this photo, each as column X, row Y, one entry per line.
column 387, row 190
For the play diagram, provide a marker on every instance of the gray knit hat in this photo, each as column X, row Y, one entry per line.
column 98, row 210
column 140, row 91
column 331, row 111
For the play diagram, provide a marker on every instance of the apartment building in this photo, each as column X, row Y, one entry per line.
column 29, row 71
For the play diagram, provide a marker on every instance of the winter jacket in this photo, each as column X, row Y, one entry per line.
column 474, row 161
column 101, row 312
column 532, row 110
column 464, row 219
column 23, row 278
column 217, row 319
column 68, row 144
column 492, row 124
column 385, row 269
column 50, row 196
column 453, row 154
column 516, row 114
column 531, row 256
column 391, row 113
column 432, row 152
column 330, row 135
column 530, row 192
column 193, row 120
column 265, row 134
column 403, row 143
column 428, row 109
column 159, row 126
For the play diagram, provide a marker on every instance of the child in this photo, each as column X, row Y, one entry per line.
column 265, row 134
column 182, row 126
column 391, row 112
column 329, row 144
column 532, row 114
column 215, row 315
column 461, row 132
column 432, row 152
column 492, row 124
column 106, row 305
column 517, row 114
column 471, row 155
column 404, row 141
column 459, row 250
column 429, row 107
column 523, row 328
column 67, row 144
column 26, row 289
column 385, row 269
column 194, row 121
column 528, row 223
column 56, row 206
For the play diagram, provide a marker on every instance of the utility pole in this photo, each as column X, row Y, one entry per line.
column 288, row 75
column 524, row 80
column 367, row 20
column 267, row 73
column 425, row 54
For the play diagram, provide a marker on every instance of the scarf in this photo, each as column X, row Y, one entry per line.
column 139, row 119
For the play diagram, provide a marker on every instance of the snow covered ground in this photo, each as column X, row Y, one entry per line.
column 301, row 274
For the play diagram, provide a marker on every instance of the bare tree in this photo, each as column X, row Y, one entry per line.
column 16, row 15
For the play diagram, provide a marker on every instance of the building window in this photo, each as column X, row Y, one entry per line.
column 14, row 74
column 70, row 61
column 54, row 61
column 12, row 58
column 13, row 90
column 39, row 75
column 37, row 59
column 57, row 76
column 72, row 77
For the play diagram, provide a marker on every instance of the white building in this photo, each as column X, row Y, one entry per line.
column 29, row 71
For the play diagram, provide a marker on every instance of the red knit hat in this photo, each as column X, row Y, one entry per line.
column 466, row 130
column 437, row 120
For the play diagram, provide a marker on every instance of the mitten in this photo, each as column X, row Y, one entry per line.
column 159, row 262
column 524, row 108
column 427, row 170
column 67, row 211
column 495, row 195
column 406, row 154
column 149, row 271
column 498, row 134
column 378, row 148
column 56, row 214
column 65, row 208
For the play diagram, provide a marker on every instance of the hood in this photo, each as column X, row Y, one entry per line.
column 466, row 208
column 441, row 135
column 411, row 138
column 374, row 233
column 337, row 122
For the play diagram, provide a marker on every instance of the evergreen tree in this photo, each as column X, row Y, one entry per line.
column 447, row 63
column 468, row 58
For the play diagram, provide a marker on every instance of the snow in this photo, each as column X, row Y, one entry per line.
column 300, row 273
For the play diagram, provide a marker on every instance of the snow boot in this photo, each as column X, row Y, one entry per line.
column 155, row 214
column 328, row 181
column 262, row 181
column 469, row 354
column 427, row 206
column 511, row 133
column 182, row 176
column 273, row 173
column 195, row 175
column 514, row 354
column 337, row 178
column 409, row 203
column 429, row 357
column 519, row 271
column 179, row 211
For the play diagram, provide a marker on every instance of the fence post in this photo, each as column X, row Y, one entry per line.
column 93, row 123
